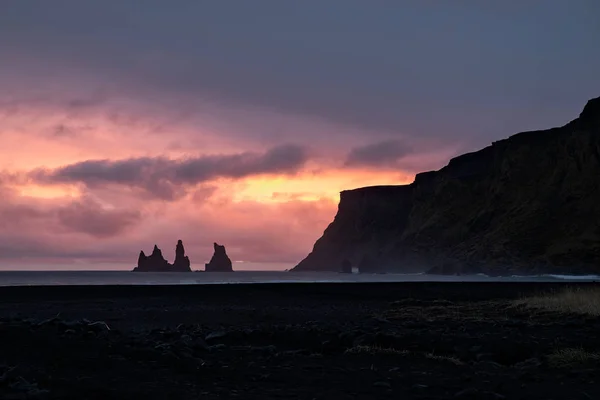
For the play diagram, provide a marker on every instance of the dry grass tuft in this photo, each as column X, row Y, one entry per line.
column 450, row 359
column 375, row 350
column 569, row 357
column 576, row 301
column 391, row 351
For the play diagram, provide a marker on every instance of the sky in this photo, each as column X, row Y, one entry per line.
column 128, row 123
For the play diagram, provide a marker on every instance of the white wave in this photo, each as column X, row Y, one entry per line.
column 559, row 276
column 575, row 277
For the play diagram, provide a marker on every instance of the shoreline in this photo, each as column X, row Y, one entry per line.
column 420, row 289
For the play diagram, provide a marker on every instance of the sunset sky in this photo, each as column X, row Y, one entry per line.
column 128, row 123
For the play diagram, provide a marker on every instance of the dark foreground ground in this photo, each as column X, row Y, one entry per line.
column 291, row 341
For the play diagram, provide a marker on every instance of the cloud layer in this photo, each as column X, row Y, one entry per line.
column 167, row 178
column 386, row 153
column 123, row 126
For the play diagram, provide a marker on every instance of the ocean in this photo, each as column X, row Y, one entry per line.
column 60, row 278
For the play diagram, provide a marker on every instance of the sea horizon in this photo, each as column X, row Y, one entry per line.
column 97, row 277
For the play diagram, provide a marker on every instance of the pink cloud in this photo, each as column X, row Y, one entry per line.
column 97, row 175
column 88, row 217
column 48, row 231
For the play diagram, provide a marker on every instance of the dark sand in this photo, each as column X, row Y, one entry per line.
column 291, row 341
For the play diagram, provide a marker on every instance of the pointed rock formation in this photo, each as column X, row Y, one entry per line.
column 157, row 254
column 157, row 263
column 182, row 262
column 153, row 263
column 219, row 262
column 142, row 259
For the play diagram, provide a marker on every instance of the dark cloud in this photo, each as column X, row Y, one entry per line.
column 88, row 217
column 23, row 245
column 386, row 153
column 61, row 130
column 12, row 215
column 61, row 250
column 82, row 216
column 167, row 178
column 444, row 69
column 64, row 131
column 204, row 193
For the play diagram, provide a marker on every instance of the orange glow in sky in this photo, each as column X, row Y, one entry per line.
column 314, row 186
column 268, row 218
column 48, row 192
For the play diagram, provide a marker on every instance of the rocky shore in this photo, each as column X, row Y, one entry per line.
column 295, row 341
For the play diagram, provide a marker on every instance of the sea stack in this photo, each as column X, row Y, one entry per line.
column 219, row 262
column 182, row 262
column 157, row 263
column 153, row 263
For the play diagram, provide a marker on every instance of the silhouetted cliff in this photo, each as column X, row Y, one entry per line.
column 526, row 204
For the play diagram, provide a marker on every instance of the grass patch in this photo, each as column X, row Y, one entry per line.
column 570, row 357
column 375, row 350
column 449, row 359
column 576, row 301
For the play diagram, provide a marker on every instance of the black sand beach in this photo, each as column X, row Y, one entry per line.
column 294, row 341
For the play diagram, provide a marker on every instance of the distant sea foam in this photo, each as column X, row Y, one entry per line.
column 563, row 277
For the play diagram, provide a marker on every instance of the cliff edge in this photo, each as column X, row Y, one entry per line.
column 527, row 204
